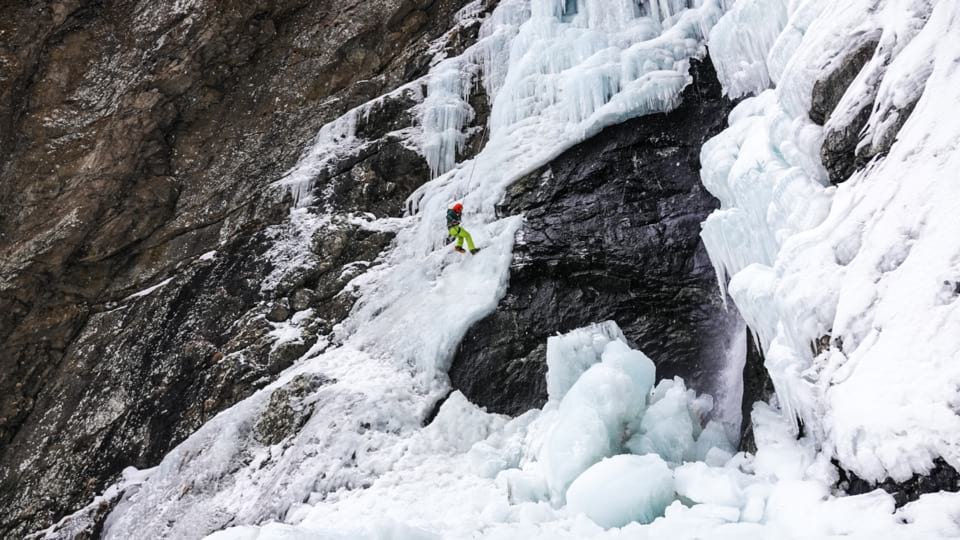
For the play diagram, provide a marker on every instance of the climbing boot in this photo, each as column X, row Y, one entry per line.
column 459, row 249
column 474, row 251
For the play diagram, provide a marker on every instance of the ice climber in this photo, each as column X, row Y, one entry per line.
column 457, row 231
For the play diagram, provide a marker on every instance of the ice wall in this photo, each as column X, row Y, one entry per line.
column 564, row 82
column 740, row 57
column 567, row 75
column 849, row 288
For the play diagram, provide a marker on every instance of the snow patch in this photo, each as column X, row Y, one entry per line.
column 148, row 290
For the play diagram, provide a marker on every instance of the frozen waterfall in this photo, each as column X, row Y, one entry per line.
column 614, row 454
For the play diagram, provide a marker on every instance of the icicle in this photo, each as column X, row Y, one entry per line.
column 335, row 139
column 444, row 113
column 741, row 57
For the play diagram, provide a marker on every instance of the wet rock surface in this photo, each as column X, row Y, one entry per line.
column 611, row 231
column 757, row 386
column 136, row 138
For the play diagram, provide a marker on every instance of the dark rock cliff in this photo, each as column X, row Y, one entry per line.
column 611, row 231
column 757, row 386
column 135, row 137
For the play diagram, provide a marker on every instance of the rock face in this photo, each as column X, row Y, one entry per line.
column 829, row 89
column 136, row 138
column 757, row 386
column 846, row 147
column 840, row 142
column 611, row 231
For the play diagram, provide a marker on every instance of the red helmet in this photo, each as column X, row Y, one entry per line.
column 458, row 208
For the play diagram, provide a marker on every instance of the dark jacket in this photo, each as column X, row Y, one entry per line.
column 453, row 218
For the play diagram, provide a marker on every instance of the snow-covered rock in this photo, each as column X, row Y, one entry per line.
column 850, row 289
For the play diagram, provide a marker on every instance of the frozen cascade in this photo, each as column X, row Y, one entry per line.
column 362, row 467
column 867, row 265
column 446, row 109
column 538, row 129
column 741, row 57
column 565, row 79
column 445, row 112
column 334, row 139
column 391, row 354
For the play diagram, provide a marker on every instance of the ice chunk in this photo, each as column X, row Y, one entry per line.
column 701, row 483
column 570, row 354
column 935, row 513
column 756, row 501
column 487, row 461
column 622, row 489
column 596, row 414
column 618, row 355
column 522, row 486
column 704, row 521
column 504, row 448
column 717, row 458
column 712, row 437
column 808, row 505
column 579, row 439
column 667, row 428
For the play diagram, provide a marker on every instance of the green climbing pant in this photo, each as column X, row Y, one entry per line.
column 461, row 234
